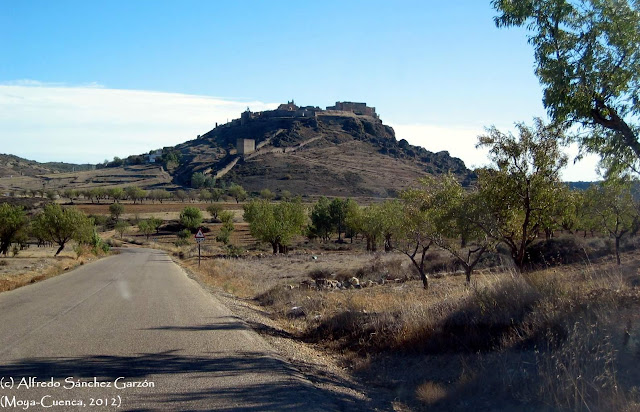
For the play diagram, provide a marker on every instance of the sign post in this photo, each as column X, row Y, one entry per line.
column 199, row 238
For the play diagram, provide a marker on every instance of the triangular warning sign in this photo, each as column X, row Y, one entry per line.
column 199, row 235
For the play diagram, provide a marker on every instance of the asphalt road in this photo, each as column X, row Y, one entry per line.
column 133, row 332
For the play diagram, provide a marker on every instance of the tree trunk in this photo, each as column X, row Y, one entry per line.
column 425, row 279
column 468, row 269
column 388, row 247
column 274, row 245
column 618, row 249
column 59, row 249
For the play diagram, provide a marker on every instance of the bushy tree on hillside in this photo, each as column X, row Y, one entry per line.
column 13, row 221
column 121, row 227
column 519, row 187
column 588, row 62
column 453, row 220
column 338, row 211
column 321, row 222
column 180, row 195
column 198, row 180
column 116, row 193
column 238, row 193
column 275, row 223
column 267, row 194
column 191, row 218
column 224, row 236
column 146, row 228
column 60, row 225
column 613, row 209
column 135, row 193
column 214, row 210
column 159, row 194
column 216, row 194
column 116, row 210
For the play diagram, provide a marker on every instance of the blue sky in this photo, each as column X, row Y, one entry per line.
column 129, row 76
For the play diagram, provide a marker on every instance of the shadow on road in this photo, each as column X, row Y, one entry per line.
column 283, row 394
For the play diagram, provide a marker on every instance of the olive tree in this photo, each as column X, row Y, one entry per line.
column 275, row 223
column 518, row 188
column 60, row 225
column 13, row 220
column 588, row 62
column 191, row 218
column 321, row 221
column 613, row 209
column 238, row 193
column 116, row 210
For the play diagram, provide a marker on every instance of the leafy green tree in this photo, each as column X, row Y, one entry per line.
column 159, row 194
column 135, row 193
column 615, row 212
column 321, row 221
column 171, row 159
column 51, row 194
column 214, row 210
column 415, row 235
column 191, row 218
column 267, row 194
column 60, row 225
column 391, row 218
column 116, row 210
column 155, row 223
column 205, row 196
column 13, row 221
column 198, row 180
column 588, row 62
column 285, row 195
column 352, row 219
column 121, row 227
column 338, row 212
column 238, row 193
column 95, row 194
column 116, row 193
column 372, row 225
column 216, row 194
column 71, row 194
column 455, row 219
column 517, row 189
column 224, row 236
column 180, row 195
column 145, row 227
column 210, row 182
column 275, row 223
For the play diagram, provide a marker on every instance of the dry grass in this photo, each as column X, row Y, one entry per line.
column 561, row 338
column 42, row 271
column 431, row 393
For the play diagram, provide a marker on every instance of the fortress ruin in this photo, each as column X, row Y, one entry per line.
column 291, row 110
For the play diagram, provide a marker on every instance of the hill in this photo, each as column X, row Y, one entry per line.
column 11, row 165
column 340, row 151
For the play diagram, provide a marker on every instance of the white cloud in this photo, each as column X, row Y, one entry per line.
column 461, row 142
column 90, row 123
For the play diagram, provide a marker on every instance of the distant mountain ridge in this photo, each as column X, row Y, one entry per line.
column 11, row 165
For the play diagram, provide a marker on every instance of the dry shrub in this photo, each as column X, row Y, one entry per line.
column 226, row 275
column 4, row 263
column 431, row 393
column 580, row 374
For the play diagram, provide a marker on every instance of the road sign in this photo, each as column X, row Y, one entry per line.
column 199, row 238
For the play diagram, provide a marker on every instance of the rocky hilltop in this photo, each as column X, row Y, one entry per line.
column 345, row 150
